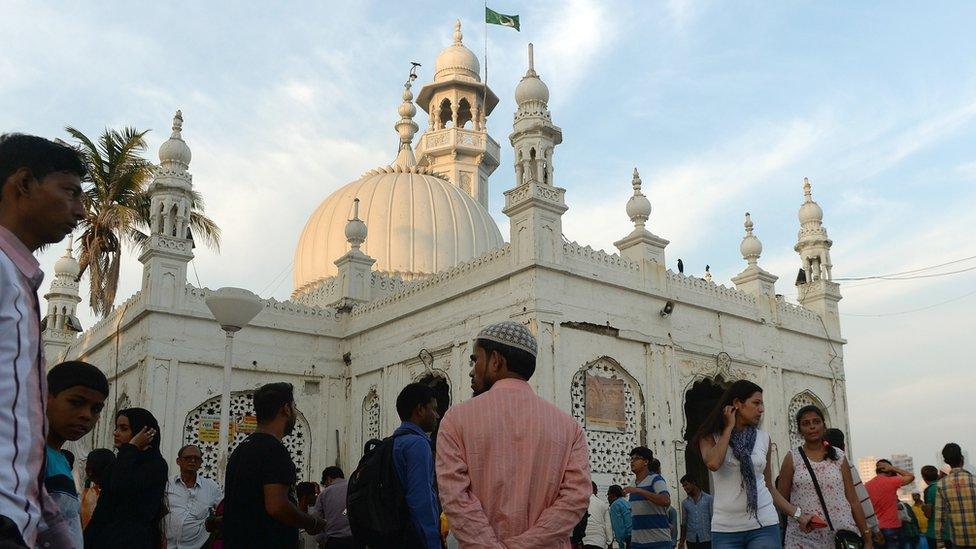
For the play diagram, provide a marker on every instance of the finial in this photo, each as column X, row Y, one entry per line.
column 355, row 228
column 638, row 207
column 531, row 58
column 751, row 247
column 406, row 127
column 636, row 182
column 807, row 193
column 71, row 239
column 457, row 33
column 177, row 123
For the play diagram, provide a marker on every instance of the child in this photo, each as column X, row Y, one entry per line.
column 97, row 468
column 76, row 395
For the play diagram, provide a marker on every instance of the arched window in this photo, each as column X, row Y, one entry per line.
column 445, row 114
column 614, row 423
column 805, row 398
column 464, row 113
column 202, row 427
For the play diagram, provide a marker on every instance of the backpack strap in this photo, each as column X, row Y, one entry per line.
column 816, row 486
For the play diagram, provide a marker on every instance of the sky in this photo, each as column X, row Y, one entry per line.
column 723, row 107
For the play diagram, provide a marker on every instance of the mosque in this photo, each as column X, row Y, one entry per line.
column 396, row 272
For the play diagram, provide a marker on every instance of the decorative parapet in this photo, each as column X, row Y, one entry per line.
column 111, row 319
column 787, row 309
column 318, row 293
column 600, row 257
column 289, row 307
column 710, row 289
column 419, row 285
column 452, row 138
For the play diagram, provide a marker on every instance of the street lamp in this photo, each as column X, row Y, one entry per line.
column 233, row 308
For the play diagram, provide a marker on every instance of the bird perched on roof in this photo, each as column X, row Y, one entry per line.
column 681, row 266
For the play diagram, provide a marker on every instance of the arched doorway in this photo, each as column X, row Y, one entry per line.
column 442, row 392
column 699, row 401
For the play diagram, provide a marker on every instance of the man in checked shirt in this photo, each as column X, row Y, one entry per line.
column 40, row 203
column 956, row 499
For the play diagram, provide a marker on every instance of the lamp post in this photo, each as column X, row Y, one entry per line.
column 233, row 308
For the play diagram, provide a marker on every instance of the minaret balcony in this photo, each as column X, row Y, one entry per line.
column 444, row 141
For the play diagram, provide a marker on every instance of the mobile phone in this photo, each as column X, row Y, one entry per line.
column 817, row 522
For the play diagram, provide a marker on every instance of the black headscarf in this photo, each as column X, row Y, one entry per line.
column 140, row 418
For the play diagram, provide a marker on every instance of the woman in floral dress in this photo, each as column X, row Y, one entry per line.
column 833, row 474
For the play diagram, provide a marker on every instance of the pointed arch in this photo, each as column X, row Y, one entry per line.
column 799, row 400
column 445, row 114
column 610, row 439
column 371, row 415
column 464, row 115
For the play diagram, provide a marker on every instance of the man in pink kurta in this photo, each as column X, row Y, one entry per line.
column 512, row 469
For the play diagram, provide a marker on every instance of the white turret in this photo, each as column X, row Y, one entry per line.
column 60, row 324
column 812, row 242
column 456, row 144
column 753, row 279
column 535, row 205
column 170, row 245
column 354, row 268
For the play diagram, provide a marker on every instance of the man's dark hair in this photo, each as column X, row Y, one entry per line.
column 413, row 395
column 75, row 373
column 332, row 472
column 644, row 453
column 187, row 446
column 952, row 454
column 304, row 489
column 687, row 478
column 41, row 156
column 616, row 491
column 270, row 398
column 517, row 360
column 930, row 474
column 880, row 461
column 99, row 462
column 835, row 437
column 655, row 466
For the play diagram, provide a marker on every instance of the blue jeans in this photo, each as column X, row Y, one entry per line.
column 892, row 537
column 766, row 537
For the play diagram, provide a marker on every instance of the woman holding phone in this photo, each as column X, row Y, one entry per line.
column 737, row 454
column 131, row 506
column 833, row 477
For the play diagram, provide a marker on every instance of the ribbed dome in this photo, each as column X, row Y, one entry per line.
column 418, row 223
column 531, row 88
column 67, row 265
column 457, row 60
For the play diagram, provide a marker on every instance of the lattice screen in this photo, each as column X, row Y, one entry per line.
column 241, row 408
column 371, row 416
column 609, row 452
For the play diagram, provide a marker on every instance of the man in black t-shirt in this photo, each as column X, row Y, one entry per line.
column 259, row 505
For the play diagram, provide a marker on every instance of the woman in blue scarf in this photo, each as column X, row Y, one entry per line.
column 737, row 453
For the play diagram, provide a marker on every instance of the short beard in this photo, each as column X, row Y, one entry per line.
column 485, row 386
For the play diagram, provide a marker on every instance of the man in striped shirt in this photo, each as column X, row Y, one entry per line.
column 649, row 503
column 40, row 203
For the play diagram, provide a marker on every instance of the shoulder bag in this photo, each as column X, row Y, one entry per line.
column 843, row 539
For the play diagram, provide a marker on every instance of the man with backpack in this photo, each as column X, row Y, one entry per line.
column 391, row 500
column 512, row 468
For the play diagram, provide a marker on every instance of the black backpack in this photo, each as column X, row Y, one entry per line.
column 579, row 532
column 375, row 501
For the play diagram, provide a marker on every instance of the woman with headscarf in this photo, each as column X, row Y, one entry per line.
column 131, row 506
column 816, row 476
column 737, row 453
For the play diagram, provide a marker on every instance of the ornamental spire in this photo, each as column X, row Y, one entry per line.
column 457, row 33
column 406, row 127
column 638, row 207
column 751, row 247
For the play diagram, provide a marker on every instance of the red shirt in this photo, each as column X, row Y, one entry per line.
column 883, row 491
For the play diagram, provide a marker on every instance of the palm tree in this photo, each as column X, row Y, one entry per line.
column 117, row 202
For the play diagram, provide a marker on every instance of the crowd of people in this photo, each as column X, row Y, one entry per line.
column 510, row 469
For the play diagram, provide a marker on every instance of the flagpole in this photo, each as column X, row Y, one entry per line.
column 484, row 93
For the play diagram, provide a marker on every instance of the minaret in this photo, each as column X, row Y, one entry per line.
column 60, row 325
column 753, row 279
column 641, row 244
column 456, row 143
column 170, row 246
column 535, row 205
column 818, row 292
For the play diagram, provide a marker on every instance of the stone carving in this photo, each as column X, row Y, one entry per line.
column 587, row 253
column 609, row 450
column 716, row 291
column 241, row 420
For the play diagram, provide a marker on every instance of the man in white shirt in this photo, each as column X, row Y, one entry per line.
column 599, row 531
column 189, row 498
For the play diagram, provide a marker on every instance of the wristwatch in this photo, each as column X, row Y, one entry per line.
column 797, row 513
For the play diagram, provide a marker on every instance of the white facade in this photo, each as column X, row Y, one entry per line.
column 360, row 325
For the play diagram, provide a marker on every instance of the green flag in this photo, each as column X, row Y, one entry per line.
column 496, row 18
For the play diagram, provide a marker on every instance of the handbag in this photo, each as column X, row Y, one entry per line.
column 843, row 539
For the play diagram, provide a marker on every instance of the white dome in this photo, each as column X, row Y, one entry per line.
column 810, row 212
column 457, row 60
column 174, row 149
column 418, row 224
column 67, row 265
column 531, row 88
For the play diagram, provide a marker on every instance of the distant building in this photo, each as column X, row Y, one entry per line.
column 905, row 461
column 865, row 467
